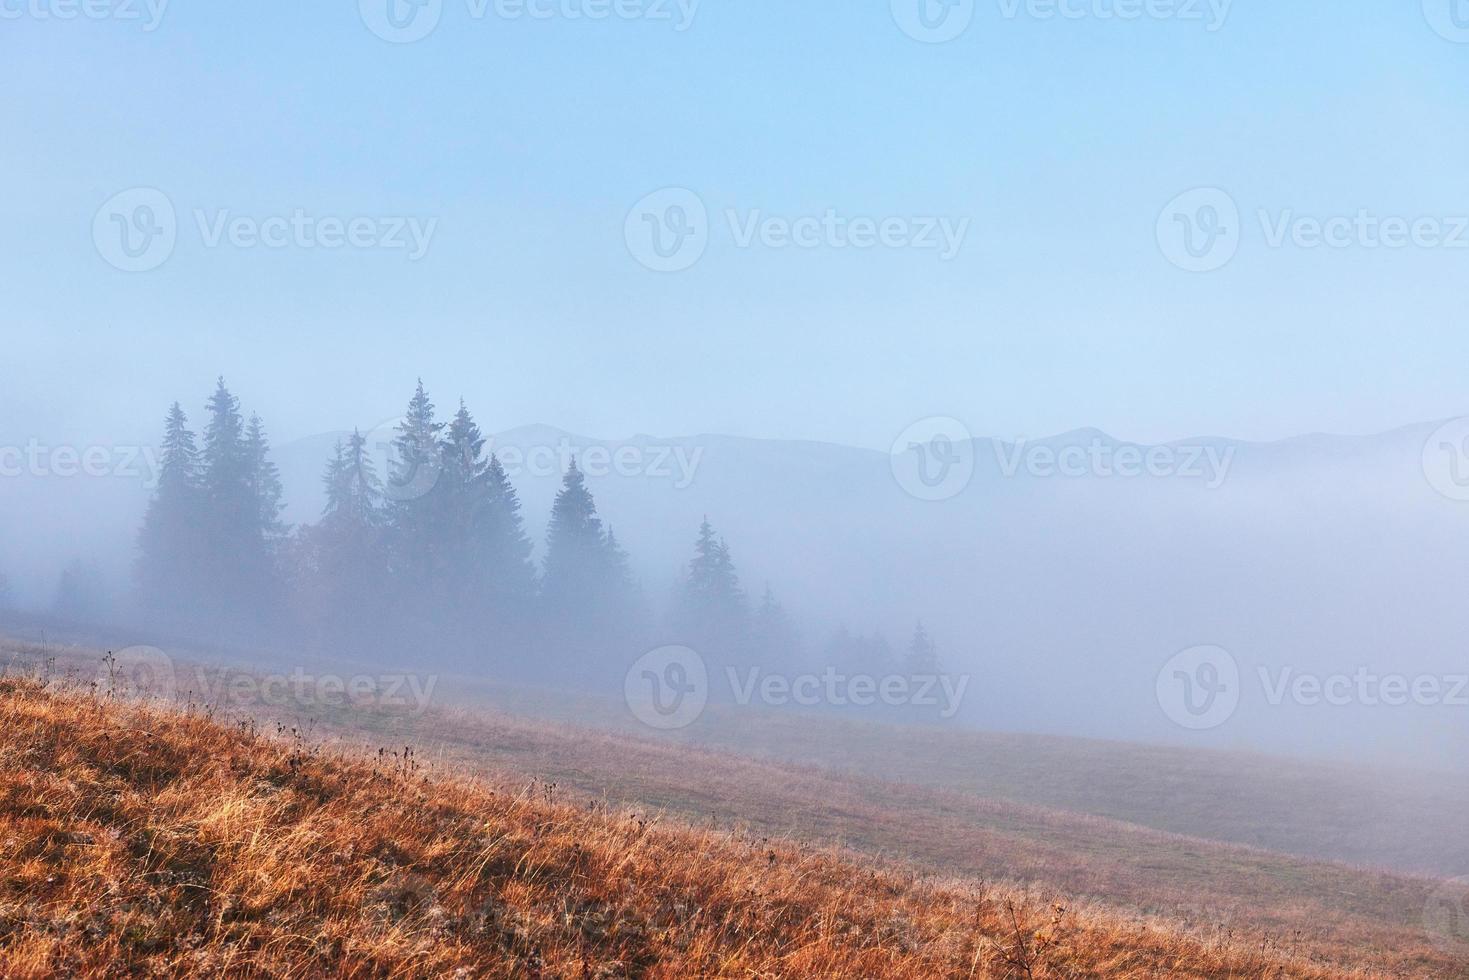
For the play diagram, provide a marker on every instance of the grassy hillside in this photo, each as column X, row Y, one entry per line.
column 141, row 839
column 1328, row 914
column 1400, row 819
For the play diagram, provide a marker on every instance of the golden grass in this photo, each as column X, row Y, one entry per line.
column 137, row 839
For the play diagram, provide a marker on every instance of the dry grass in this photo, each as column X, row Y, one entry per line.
column 143, row 840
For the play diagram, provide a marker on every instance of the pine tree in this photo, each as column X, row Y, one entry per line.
column 79, row 595
column 922, row 658
column 241, row 502
column 462, row 502
column 342, row 566
column 507, row 547
column 170, row 543
column 575, row 549
column 713, row 610
column 773, row 636
column 265, row 481
column 228, row 477
column 353, row 491
column 412, row 488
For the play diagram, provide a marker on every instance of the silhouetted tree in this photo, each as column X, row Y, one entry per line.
column 712, row 612
column 415, row 516
column 341, row 562
column 241, row 503
column 171, row 541
column 79, row 594
column 922, row 657
column 773, row 635
column 585, row 586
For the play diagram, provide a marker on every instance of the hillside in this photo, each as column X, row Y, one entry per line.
column 143, row 839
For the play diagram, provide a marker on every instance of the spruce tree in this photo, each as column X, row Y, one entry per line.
column 171, row 541
column 712, row 610
column 241, row 501
column 412, row 488
column 463, row 506
column 575, row 567
column 507, row 547
column 773, row 636
column 922, row 658
column 345, row 562
column 265, row 481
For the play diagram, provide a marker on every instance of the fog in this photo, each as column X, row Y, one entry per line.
column 1059, row 575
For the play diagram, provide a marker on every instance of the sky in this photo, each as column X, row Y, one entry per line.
column 524, row 149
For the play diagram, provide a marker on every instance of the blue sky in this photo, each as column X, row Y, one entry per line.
column 527, row 142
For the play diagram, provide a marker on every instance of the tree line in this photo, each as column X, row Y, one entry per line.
column 433, row 552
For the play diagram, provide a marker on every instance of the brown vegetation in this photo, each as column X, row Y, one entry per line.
column 142, row 839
